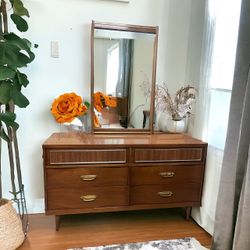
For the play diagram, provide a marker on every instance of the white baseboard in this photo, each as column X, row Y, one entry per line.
column 35, row 206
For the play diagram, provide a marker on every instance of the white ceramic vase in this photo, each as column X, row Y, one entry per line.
column 165, row 123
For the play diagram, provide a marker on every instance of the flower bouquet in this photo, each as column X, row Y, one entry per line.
column 67, row 108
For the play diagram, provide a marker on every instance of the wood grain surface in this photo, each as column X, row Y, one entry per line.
column 177, row 174
column 73, row 177
column 109, row 228
column 102, row 173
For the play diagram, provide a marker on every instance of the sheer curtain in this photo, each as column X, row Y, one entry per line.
column 126, row 50
column 216, row 74
column 232, row 224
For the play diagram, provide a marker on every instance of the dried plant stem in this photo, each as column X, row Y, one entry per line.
column 178, row 108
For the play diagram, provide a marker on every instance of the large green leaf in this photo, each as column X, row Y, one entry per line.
column 4, row 92
column 16, row 83
column 22, row 60
column 8, row 53
column 18, row 98
column 9, row 119
column 17, row 41
column 20, row 23
column 29, row 44
column 22, row 79
column 3, row 134
column 22, row 44
column 19, row 9
column 6, row 72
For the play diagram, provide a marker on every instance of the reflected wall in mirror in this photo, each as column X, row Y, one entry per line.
column 123, row 56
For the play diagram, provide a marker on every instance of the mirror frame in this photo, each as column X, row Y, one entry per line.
column 130, row 28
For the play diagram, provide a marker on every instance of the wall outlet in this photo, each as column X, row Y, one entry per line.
column 54, row 49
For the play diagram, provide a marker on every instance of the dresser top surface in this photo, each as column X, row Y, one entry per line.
column 83, row 139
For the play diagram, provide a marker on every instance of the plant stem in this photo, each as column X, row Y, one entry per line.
column 1, row 192
column 132, row 113
column 22, row 204
column 5, row 17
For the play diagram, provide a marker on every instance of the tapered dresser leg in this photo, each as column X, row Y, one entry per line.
column 58, row 220
column 188, row 212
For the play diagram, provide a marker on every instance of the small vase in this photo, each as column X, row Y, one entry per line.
column 75, row 126
column 165, row 123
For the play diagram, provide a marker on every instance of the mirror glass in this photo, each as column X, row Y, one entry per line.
column 123, row 62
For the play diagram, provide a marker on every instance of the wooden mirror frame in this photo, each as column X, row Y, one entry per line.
column 129, row 28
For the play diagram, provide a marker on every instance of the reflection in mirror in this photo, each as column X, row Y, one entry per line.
column 122, row 61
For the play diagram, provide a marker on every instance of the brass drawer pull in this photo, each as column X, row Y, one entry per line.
column 87, row 198
column 165, row 193
column 167, row 174
column 88, row 177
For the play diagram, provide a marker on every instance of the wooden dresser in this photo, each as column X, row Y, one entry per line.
column 101, row 173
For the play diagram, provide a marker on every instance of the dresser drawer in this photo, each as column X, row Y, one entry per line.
column 85, row 156
column 166, row 174
column 167, row 154
column 153, row 194
column 87, row 197
column 86, row 176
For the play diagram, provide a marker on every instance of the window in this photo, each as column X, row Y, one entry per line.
column 112, row 69
column 226, row 18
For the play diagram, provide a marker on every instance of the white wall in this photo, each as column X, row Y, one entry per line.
column 68, row 22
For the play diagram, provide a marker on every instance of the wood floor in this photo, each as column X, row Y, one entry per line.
column 108, row 228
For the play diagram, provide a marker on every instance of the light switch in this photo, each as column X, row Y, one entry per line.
column 54, row 47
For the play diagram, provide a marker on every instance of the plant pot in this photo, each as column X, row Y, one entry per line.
column 165, row 123
column 11, row 231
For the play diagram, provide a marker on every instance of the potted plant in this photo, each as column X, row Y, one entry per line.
column 15, row 53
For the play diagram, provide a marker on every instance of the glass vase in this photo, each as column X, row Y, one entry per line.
column 75, row 126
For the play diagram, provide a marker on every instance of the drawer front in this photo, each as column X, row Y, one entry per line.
column 167, row 155
column 166, row 174
column 86, row 156
column 154, row 194
column 87, row 198
column 86, row 176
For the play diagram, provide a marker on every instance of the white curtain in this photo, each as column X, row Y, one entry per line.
column 232, row 224
column 211, row 75
column 204, row 215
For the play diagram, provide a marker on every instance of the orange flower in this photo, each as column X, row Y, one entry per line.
column 99, row 101
column 111, row 101
column 68, row 106
column 102, row 101
column 96, row 122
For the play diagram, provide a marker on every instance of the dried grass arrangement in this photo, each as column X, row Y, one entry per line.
column 179, row 107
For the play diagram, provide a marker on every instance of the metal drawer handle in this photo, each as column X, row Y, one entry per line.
column 165, row 193
column 88, row 177
column 87, row 198
column 167, row 174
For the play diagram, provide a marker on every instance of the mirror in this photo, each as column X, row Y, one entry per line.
column 123, row 66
